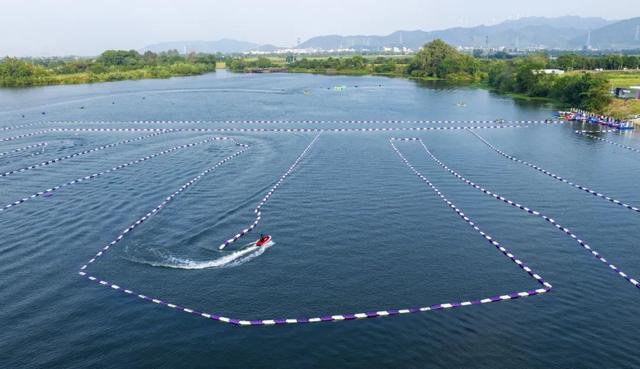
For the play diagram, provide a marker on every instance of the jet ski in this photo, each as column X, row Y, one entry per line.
column 264, row 239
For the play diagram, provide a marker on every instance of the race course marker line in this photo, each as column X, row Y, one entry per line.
column 555, row 176
column 546, row 287
column 8, row 128
column 80, row 153
column 52, row 130
column 279, row 130
column 5, row 139
column 559, row 227
column 307, row 121
column 49, row 191
column 23, row 148
column 589, row 134
column 257, row 211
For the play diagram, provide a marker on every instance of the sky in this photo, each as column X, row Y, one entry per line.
column 88, row 27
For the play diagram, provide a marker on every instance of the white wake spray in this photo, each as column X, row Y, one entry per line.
column 232, row 259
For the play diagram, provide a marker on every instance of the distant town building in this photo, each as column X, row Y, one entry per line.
column 338, row 51
column 549, row 71
column 397, row 50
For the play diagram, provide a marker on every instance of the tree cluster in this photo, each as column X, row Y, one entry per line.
column 589, row 91
column 112, row 65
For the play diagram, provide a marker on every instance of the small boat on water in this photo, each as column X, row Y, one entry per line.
column 264, row 240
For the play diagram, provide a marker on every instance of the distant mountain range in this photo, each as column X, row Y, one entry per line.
column 619, row 35
column 569, row 32
column 561, row 33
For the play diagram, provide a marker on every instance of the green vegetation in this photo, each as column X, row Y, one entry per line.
column 441, row 61
column 436, row 61
column 112, row 65
column 586, row 85
column 242, row 65
column 519, row 77
column 570, row 62
column 354, row 65
column 622, row 78
column 622, row 109
column 350, row 65
column 524, row 76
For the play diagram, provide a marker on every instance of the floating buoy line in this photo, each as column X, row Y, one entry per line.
column 47, row 192
column 545, row 286
column 590, row 135
column 257, row 211
column 28, row 147
column 30, row 134
column 373, row 314
column 276, row 130
column 80, row 153
column 311, row 121
column 287, row 121
column 492, row 124
column 27, row 125
column 160, row 206
column 533, row 212
column 555, row 176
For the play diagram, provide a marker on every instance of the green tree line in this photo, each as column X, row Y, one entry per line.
column 589, row 91
column 112, row 65
column 571, row 62
column 521, row 75
column 244, row 65
column 352, row 65
column 436, row 60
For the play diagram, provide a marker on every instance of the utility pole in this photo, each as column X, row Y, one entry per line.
column 486, row 43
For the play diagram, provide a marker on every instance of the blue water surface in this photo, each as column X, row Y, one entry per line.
column 354, row 229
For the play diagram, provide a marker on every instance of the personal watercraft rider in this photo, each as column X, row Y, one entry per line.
column 264, row 238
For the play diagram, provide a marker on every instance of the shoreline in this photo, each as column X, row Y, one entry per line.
column 89, row 79
column 617, row 107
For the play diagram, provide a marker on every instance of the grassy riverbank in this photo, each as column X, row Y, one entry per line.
column 623, row 78
column 113, row 65
column 620, row 108
column 623, row 108
column 50, row 78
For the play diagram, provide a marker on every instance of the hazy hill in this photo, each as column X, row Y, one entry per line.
column 220, row 46
column 620, row 35
column 568, row 32
column 561, row 32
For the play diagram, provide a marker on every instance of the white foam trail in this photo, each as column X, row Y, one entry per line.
column 235, row 258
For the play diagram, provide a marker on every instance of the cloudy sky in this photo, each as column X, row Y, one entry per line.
column 87, row 27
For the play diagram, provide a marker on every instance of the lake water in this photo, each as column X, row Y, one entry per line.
column 354, row 229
